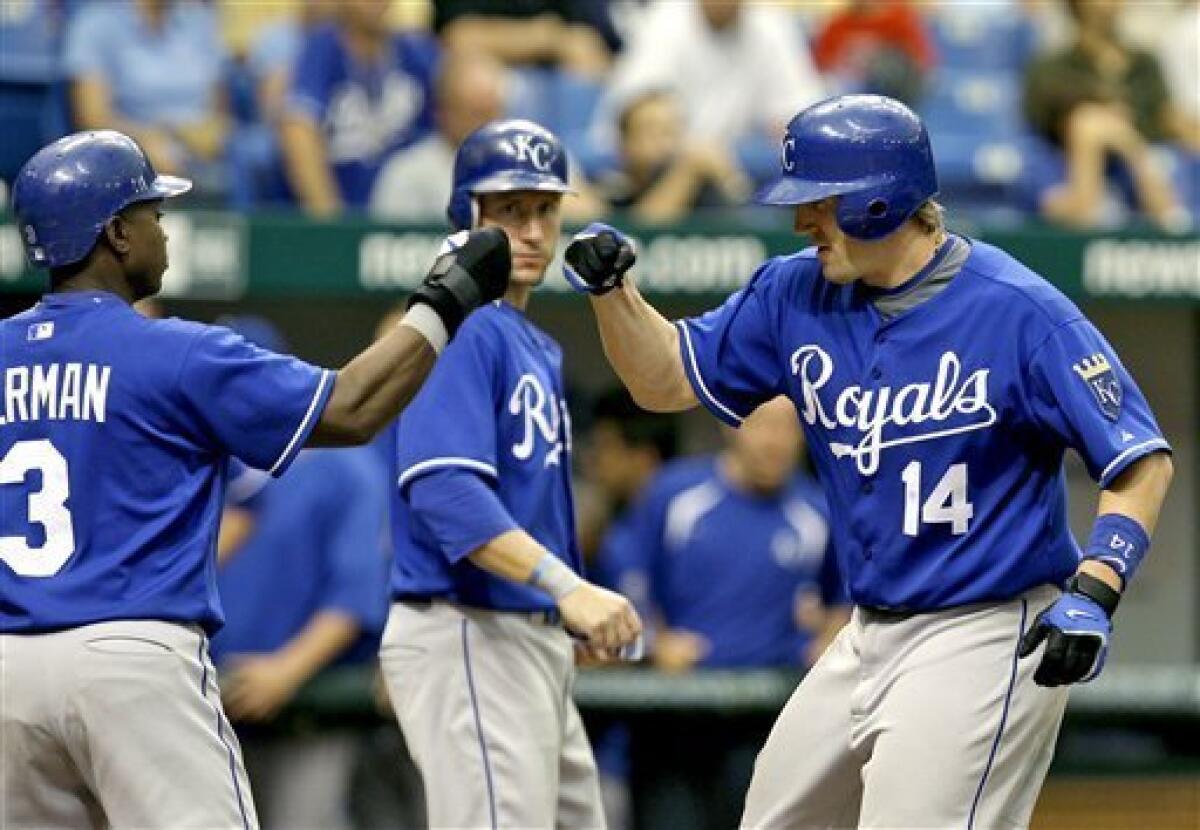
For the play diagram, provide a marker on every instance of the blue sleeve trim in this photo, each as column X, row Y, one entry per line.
column 692, row 370
column 1122, row 461
column 315, row 408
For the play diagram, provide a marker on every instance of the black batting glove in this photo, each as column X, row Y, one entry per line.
column 597, row 259
column 472, row 269
column 1075, row 629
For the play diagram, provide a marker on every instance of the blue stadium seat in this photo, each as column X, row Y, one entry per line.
column 977, row 37
column 32, row 97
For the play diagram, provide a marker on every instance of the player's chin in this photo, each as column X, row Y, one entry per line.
column 528, row 271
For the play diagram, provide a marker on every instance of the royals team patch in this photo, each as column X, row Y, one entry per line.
column 1099, row 376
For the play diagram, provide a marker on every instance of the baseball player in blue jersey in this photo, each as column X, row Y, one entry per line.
column 486, row 578
column 939, row 383
column 115, row 431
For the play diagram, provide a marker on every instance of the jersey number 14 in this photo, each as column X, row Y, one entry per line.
column 947, row 504
column 47, row 507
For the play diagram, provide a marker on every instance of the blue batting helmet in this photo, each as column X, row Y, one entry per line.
column 871, row 151
column 68, row 191
column 512, row 154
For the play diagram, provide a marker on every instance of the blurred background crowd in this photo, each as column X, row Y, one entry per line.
column 1081, row 113
column 1086, row 113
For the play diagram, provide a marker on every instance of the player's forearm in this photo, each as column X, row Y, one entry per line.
column 1140, row 490
column 512, row 555
column 371, row 390
column 327, row 635
column 643, row 348
column 1137, row 493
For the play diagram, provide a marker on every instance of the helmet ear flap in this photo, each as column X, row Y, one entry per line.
column 461, row 210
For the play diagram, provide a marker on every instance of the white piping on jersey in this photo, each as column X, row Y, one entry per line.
column 312, row 406
column 687, row 340
column 688, row 508
column 435, row 463
column 1156, row 443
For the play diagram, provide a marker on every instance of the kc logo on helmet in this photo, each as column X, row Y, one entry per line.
column 789, row 154
column 533, row 150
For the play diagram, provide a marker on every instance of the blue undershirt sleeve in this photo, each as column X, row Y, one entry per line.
column 459, row 509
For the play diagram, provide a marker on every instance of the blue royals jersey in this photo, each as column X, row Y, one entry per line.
column 115, row 433
column 365, row 110
column 730, row 565
column 492, row 407
column 319, row 544
column 938, row 434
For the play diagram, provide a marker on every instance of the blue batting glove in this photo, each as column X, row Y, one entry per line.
column 1076, row 631
column 597, row 259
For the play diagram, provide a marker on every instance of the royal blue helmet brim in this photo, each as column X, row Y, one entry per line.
column 789, row 190
column 168, row 186
column 508, row 181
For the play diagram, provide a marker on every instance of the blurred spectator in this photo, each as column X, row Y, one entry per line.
column 414, row 184
column 359, row 92
column 1179, row 53
column 625, row 448
column 304, row 590
column 741, row 576
column 272, row 53
column 659, row 176
column 152, row 69
column 1103, row 100
column 740, row 71
column 736, row 551
column 575, row 35
column 877, row 47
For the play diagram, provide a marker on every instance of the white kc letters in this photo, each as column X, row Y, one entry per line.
column 537, row 151
column 542, row 414
column 870, row 410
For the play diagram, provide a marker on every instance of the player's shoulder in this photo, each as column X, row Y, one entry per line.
column 796, row 275
column 1009, row 281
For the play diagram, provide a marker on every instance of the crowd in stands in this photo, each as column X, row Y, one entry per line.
column 1086, row 112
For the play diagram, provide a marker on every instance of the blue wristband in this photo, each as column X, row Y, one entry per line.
column 1119, row 542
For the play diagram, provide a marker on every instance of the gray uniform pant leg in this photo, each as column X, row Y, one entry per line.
column 932, row 722
column 302, row 782
column 484, row 701
column 120, row 722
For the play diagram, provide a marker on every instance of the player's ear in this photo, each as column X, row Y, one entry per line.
column 116, row 234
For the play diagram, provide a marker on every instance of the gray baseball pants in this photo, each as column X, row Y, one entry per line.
column 484, row 701
column 920, row 721
column 117, row 724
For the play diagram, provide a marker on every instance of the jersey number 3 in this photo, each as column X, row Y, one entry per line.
column 47, row 507
column 947, row 504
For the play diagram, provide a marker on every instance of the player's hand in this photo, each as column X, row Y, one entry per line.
column 1076, row 631
column 603, row 619
column 257, row 686
column 676, row 651
column 597, row 259
column 471, row 269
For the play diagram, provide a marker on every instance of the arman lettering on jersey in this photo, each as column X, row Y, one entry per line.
column 55, row 392
column 1097, row 373
column 958, row 402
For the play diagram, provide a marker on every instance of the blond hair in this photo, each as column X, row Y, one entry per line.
column 931, row 217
